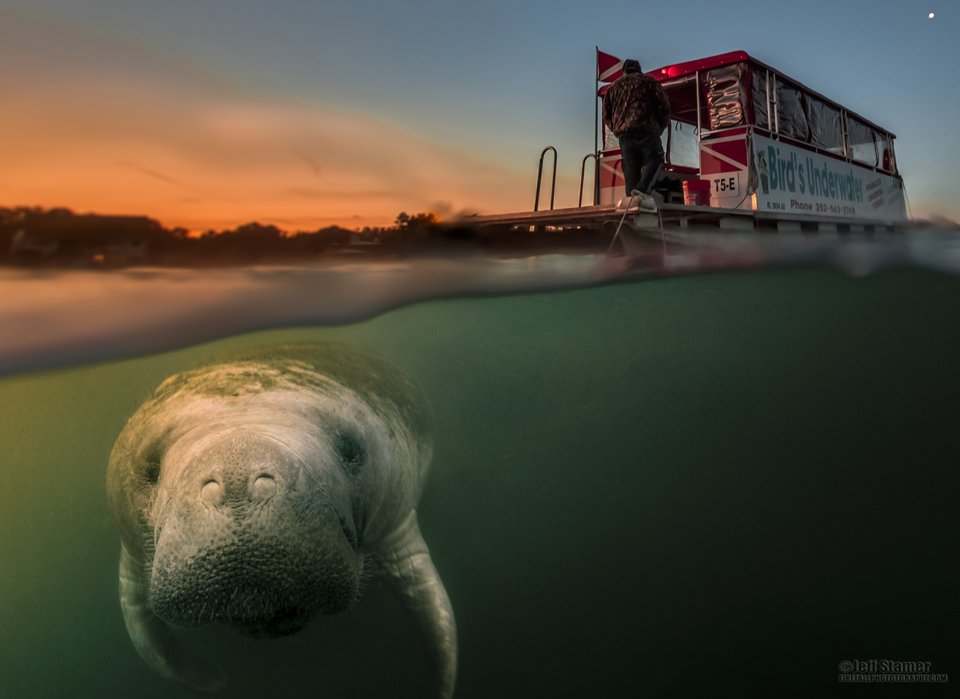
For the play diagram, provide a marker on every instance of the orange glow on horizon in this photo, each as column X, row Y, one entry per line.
column 140, row 134
column 285, row 165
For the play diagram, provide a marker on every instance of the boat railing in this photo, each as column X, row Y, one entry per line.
column 553, row 182
column 583, row 165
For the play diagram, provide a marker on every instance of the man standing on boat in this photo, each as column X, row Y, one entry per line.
column 636, row 110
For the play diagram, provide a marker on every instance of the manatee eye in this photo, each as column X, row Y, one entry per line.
column 351, row 452
column 152, row 457
column 151, row 472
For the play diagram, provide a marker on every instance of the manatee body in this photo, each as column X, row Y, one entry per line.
column 258, row 491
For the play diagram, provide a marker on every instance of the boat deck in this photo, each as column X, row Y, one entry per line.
column 678, row 216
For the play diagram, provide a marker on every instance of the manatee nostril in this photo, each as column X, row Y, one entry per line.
column 210, row 493
column 264, row 487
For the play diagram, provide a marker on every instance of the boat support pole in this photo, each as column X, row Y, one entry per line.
column 699, row 125
column 596, row 129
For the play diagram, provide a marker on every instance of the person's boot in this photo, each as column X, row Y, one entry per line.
column 644, row 201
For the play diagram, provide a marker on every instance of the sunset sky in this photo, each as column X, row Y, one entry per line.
column 304, row 113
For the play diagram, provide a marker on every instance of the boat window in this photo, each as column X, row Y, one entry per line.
column 758, row 91
column 684, row 145
column 609, row 140
column 791, row 119
column 824, row 121
column 863, row 147
column 725, row 90
column 888, row 160
column 683, row 101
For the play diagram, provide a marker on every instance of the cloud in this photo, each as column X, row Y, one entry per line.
column 97, row 125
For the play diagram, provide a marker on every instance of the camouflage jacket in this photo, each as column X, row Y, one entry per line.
column 636, row 103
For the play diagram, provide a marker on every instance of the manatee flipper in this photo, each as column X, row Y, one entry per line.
column 155, row 641
column 405, row 563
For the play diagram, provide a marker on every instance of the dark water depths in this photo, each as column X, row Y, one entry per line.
column 703, row 486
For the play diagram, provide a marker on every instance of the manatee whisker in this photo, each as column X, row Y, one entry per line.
column 371, row 562
column 364, row 569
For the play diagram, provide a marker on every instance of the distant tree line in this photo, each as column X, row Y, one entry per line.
column 32, row 236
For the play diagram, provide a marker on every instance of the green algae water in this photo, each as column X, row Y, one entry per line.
column 717, row 485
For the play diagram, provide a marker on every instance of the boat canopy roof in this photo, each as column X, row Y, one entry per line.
column 736, row 89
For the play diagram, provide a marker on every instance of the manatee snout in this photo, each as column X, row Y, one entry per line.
column 249, row 538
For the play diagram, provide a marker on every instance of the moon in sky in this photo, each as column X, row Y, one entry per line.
column 930, row 16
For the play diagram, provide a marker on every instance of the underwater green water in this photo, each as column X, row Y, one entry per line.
column 690, row 487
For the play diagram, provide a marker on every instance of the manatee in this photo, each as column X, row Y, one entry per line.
column 260, row 490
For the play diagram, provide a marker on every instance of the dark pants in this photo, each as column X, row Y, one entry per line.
column 641, row 158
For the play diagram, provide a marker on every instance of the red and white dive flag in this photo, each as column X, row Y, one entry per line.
column 609, row 68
